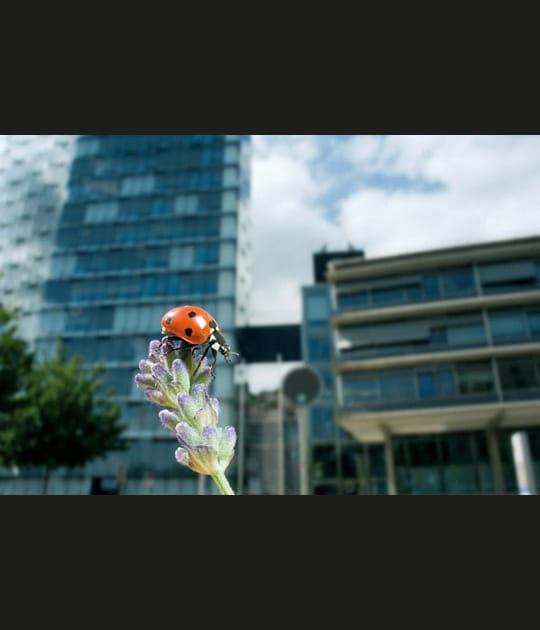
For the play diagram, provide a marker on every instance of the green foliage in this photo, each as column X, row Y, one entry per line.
column 70, row 420
column 15, row 364
column 15, row 359
column 53, row 413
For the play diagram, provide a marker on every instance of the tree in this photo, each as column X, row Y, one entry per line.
column 16, row 362
column 69, row 419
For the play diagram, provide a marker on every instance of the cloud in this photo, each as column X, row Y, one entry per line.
column 387, row 195
column 288, row 225
column 491, row 192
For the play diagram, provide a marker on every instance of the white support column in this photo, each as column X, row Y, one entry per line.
column 523, row 463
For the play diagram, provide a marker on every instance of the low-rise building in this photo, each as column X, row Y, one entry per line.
column 436, row 361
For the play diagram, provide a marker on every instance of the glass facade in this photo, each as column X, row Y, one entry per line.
column 452, row 331
column 33, row 188
column 149, row 222
column 440, row 284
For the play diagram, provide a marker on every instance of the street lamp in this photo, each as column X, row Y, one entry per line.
column 301, row 387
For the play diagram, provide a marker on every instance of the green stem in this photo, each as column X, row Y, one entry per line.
column 222, row 483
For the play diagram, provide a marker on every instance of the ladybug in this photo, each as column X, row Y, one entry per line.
column 196, row 326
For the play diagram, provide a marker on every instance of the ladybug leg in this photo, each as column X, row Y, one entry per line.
column 201, row 360
column 214, row 352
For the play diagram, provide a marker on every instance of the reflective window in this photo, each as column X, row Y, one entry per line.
column 81, row 319
column 324, row 461
column 386, row 296
column 516, row 275
column 397, row 387
column 322, row 425
column 358, row 300
column 431, row 286
column 436, row 384
column 458, row 282
column 533, row 318
column 467, row 334
column 318, row 348
column 518, row 374
column 359, row 389
column 507, row 324
column 317, row 308
column 474, row 378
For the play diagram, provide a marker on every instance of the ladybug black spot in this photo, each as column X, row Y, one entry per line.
column 168, row 320
column 188, row 331
column 192, row 314
column 212, row 324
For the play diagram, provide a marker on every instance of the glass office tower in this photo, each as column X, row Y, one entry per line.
column 33, row 188
column 150, row 222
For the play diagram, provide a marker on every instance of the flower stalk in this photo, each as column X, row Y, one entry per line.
column 174, row 377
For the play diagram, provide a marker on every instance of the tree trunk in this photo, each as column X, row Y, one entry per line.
column 46, row 480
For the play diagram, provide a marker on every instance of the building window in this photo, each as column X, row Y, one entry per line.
column 514, row 275
column 322, row 426
column 507, row 325
column 387, row 296
column 318, row 348
column 359, row 389
column 518, row 374
column 397, row 387
column 533, row 318
column 474, row 378
column 466, row 335
column 436, row 384
column 317, row 308
column 458, row 282
column 354, row 300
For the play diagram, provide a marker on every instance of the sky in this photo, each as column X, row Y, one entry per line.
column 384, row 195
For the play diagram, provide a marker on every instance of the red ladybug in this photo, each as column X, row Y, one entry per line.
column 194, row 325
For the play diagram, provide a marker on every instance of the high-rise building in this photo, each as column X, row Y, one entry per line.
column 149, row 222
column 437, row 365
column 33, row 188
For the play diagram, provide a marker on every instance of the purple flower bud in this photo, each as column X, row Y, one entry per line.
column 199, row 395
column 169, row 419
column 228, row 437
column 145, row 366
column 145, row 380
column 155, row 396
column 227, row 440
column 187, row 436
column 203, row 417
column 201, row 459
column 186, row 405
column 182, row 456
column 180, row 374
column 161, row 375
column 154, row 346
column 215, row 404
column 210, row 436
column 204, row 374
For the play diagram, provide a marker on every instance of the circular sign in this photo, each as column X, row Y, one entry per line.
column 302, row 385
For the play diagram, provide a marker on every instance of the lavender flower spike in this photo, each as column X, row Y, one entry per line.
column 172, row 378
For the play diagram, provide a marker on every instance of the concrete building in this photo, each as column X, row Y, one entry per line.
column 436, row 365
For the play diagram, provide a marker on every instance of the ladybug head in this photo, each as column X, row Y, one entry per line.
column 218, row 343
